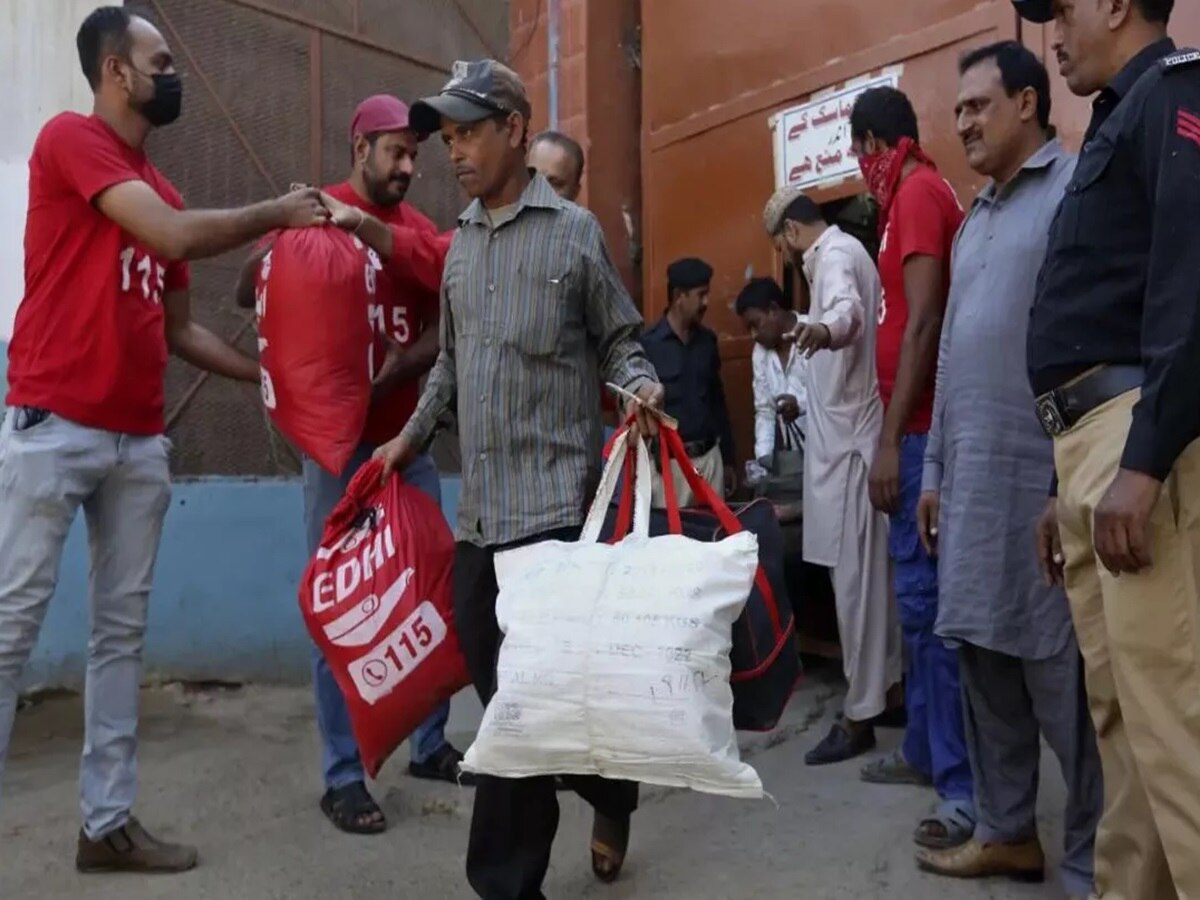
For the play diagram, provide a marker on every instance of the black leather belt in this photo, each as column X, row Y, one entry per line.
column 694, row 450
column 1061, row 409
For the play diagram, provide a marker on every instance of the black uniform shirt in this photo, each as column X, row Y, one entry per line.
column 1121, row 280
column 691, row 376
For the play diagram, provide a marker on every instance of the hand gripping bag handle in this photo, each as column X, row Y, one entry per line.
column 363, row 486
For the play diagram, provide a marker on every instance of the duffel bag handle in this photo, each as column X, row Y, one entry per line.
column 671, row 448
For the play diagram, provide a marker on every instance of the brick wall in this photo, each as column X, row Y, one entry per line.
column 599, row 104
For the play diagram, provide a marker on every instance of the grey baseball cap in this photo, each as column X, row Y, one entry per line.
column 1040, row 11
column 477, row 90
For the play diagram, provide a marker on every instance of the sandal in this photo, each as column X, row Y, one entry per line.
column 610, row 842
column 951, row 825
column 894, row 769
column 352, row 809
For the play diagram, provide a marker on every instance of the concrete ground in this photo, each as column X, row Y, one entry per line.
column 235, row 771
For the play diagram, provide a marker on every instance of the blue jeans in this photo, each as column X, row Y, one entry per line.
column 340, row 761
column 935, row 741
column 50, row 470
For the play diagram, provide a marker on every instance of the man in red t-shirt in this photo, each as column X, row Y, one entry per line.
column 404, row 314
column 919, row 216
column 106, row 297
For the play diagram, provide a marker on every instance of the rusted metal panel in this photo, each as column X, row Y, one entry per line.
column 271, row 88
column 243, row 137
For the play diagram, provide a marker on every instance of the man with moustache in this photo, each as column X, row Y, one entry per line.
column 1114, row 360
column 842, row 530
column 986, row 467
column 687, row 359
column 404, row 315
column 533, row 315
column 106, row 297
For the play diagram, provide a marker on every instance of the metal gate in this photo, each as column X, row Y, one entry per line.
column 270, row 89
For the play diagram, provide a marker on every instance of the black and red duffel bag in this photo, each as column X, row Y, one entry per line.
column 766, row 666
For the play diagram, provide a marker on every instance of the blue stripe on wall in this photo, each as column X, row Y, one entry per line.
column 224, row 603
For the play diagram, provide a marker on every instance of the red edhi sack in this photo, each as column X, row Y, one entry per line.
column 376, row 599
column 314, row 340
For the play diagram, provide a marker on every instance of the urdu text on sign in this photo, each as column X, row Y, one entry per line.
column 812, row 140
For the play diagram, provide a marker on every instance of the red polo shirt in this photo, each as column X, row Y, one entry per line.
column 923, row 220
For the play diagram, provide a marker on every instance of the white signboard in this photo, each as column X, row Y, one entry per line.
column 812, row 141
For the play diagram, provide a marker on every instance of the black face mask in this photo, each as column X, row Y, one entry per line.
column 166, row 104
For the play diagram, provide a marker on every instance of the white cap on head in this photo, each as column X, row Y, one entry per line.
column 777, row 206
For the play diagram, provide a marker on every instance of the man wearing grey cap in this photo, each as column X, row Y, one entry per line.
column 533, row 314
column 844, row 532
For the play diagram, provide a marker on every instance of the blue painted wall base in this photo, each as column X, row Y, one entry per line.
column 224, row 605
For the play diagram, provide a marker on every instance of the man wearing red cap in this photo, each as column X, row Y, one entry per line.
column 404, row 316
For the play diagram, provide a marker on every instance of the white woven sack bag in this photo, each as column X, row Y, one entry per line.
column 615, row 660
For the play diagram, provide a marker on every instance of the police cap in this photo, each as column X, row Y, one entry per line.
column 1040, row 11
column 688, row 274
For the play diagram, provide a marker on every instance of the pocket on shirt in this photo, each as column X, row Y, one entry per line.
column 538, row 307
column 669, row 367
column 1083, row 203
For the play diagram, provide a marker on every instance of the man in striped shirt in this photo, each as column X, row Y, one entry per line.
column 533, row 314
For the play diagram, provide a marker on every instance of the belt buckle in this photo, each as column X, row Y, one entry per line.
column 1050, row 415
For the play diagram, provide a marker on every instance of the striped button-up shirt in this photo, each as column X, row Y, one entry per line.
column 533, row 315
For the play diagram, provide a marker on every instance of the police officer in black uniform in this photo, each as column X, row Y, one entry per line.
column 1114, row 360
column 687, row 358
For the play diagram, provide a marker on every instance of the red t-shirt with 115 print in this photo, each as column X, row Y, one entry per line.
column 88, row 342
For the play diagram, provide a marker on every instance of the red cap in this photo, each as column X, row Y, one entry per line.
column 381, row 112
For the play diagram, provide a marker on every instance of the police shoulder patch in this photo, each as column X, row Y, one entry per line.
column 1180, row 59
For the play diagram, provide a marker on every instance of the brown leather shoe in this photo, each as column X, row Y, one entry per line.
column 975, row 859
column 132, row 849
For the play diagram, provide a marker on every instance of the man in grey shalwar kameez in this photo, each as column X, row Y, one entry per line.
column 988, row 466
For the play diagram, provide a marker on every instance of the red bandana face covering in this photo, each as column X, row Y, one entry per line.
column 882, row 170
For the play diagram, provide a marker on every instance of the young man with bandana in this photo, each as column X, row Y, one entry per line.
column 918, row 218
column 106, row 298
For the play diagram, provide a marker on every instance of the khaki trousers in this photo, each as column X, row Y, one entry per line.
column 711, row 467
column 1140, row 638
